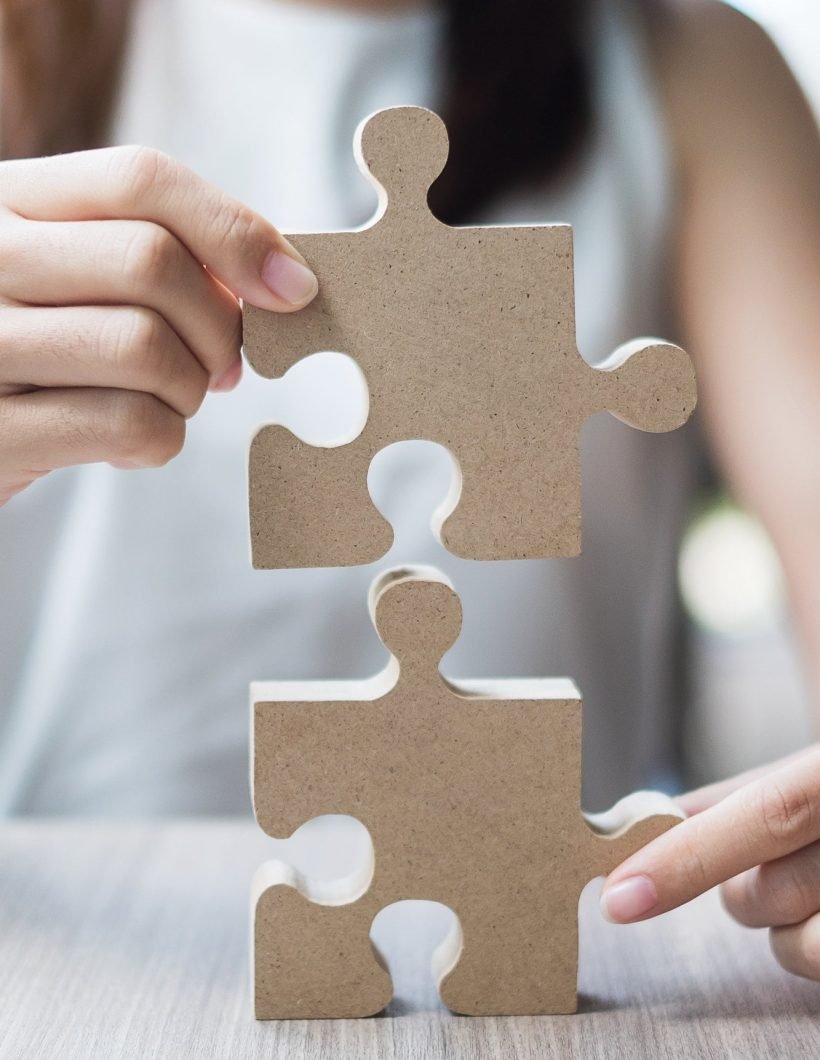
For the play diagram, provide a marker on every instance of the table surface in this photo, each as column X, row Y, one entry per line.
column 131, row 940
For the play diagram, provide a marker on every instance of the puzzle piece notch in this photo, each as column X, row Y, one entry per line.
column 466, row 338
column 471, row 795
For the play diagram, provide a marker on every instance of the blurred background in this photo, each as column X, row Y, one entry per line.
column 748, row 702
column 746, row 699
column 795, row 25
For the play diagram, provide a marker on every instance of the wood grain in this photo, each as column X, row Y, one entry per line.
column 131, row 940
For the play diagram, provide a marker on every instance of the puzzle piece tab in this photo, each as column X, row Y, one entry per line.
column 471, row 795
column 466, row 337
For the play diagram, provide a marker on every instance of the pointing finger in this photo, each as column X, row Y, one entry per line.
column 766, row 819
column 702, row 798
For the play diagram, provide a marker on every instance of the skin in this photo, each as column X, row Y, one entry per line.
column 748, row 277
column 111, row 329
column 97, row 362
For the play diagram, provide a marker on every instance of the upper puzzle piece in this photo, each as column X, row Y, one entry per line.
column 466, row 337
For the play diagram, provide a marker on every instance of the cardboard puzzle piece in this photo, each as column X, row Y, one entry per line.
column 471, row 796
column 466, row 337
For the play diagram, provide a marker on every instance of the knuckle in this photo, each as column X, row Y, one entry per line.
column 781, row 943
column 787, row 892
column 21, row 243
column 734, row 895
column 229, row 339
column 144, row 430
column 237, row 225
column 772, row 893
column 172, row 441
column 137, row 338
column 149, row 358
column 17, row 231
column 139, row 171
column 797, row 948
column 149, row 255
column 788, row 812
column 811, row 948
column 692, row 867
column 130, row 424
column 695, row 871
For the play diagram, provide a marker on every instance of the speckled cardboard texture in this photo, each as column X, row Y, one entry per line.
column 466, row 337
column 471, row 796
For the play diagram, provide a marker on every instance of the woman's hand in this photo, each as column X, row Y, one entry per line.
column 120, row 272
column 758, row 835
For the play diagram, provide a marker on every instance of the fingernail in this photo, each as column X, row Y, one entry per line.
column 289, row 278
column 629, row 899
column 229, row 378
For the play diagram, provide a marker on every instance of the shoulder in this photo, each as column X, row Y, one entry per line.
column 724, row 85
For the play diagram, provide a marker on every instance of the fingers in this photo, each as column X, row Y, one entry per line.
column 125, row 347
column 48, row 429
column 126, row 263
column 119, row 277
column 779, row 893
column 702, row 798
column 764, row 820
column 797, row 947
column 240, row 248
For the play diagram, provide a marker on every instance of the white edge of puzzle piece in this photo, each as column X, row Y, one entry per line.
column 515, row 688
column 381, row 192
column 378, row 685
column 622, row 354
column 448, row 952
column 341, row 891
column 327, row 691
column 369, row 689
column 633, row 808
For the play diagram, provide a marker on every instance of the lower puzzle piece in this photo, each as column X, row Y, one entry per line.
column 471, row 795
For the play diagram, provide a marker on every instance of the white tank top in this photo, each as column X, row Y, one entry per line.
column 131, row 620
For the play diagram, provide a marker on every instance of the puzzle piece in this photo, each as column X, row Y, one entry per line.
column 471, row 795
column 466, row 337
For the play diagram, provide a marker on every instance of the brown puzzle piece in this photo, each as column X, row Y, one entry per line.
column 466, row 337
column 471, row 795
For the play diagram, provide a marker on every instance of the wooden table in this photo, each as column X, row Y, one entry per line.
column 132, row 941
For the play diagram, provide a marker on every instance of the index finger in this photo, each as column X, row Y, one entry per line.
column 237, row 245
column 767, row 819
column 702, row 798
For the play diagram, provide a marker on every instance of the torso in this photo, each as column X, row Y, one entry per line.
column 136, row 622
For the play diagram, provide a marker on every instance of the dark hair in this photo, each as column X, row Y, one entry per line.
column 516, row 99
